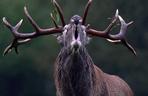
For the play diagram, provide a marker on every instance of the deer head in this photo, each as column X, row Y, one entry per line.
column 74, row 35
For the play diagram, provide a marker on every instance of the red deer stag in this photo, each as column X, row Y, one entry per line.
column 75, row 72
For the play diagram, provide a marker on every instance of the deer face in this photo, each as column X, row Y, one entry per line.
column 74, row 35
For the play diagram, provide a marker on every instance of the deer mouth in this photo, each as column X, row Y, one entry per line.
column 75, row 45
column 76, row 33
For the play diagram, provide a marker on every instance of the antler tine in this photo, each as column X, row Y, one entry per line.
column 123, row 29
column 107, row 30
column 15, row 42
column 13, row 29
column 14, row 45
column 18, row 25
column 34, row 24
column 121, row 35
column 54, row 21
column 60, row 12
column 105, row 33
column 86, row 11
column 125, row 43
column 21, row 38
column 118, row 38
column 7, row 24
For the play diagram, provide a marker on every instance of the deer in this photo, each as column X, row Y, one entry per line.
column 75, row 72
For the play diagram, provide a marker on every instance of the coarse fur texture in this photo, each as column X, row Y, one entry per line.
column 75, row 72
column 76, row 75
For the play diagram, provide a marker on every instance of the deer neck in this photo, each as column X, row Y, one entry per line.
column 74, row 73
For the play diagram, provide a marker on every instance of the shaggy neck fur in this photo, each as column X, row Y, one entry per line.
column 74, row 73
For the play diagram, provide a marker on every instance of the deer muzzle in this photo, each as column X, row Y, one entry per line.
column 76, row 43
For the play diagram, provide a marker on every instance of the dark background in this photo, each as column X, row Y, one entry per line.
column 31, row 72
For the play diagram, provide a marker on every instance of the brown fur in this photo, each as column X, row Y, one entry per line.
column 76, row 75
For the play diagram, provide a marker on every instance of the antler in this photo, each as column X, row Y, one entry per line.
column 86, row 11
column 21, row 38
column 60, row 12
column 118, row 38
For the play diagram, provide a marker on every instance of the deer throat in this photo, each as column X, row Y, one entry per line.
column 74, row 75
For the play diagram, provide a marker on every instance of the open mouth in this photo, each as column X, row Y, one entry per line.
column 76, row 44
column 76, row 33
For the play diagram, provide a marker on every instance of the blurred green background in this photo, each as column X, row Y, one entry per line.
column 31, row 72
